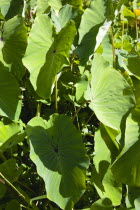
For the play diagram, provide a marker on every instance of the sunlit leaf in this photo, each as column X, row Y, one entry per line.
column 112, row 98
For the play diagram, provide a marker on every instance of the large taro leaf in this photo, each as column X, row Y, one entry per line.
column 10, row 105
column 92, row 19
column 126, row 168
column 55, row 58
column 39, row 41
column 57, row 150
column 110, row 95
column 15, row 41
column 10, row 8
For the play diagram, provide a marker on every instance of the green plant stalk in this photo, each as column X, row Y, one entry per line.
column 6, row 180
column 56, row 95
column 113, row 48
column 122, row 30
column 77, row 118
column 137, row 31
column 78, row 110
column 38, row 109
column 26, row 187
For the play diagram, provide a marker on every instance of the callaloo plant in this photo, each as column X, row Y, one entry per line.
column 69, row 105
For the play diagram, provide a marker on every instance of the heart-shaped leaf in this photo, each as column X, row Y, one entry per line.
column 110, row 95
column 59, row 154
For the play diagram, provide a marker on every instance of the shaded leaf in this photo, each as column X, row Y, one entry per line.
column 9, row 170
column 10, row 105
column 59, row 154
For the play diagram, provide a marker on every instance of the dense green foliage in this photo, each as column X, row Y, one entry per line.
column 69, row 104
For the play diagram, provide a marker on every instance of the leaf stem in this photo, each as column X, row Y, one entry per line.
column 38, row 109
column 6, row 180
column 137, row 34
column 56, row 95
column 113, row 48
column 122, row 29
column 78, row 110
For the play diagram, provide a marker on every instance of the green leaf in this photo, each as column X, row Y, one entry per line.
column 59, row 154
column 10, row 105
column 64, row 15
column 102, row 204
column 137, row 203
column 133, row 64
column 9, row 170
column 107, row 49
column 15, row 41
column 7, row 131
column 39, row 41
column 74, row 3
column 55, row 59
column 107, row 186
column 109, row 136
column 10, row 8
column 13, row 204
column 126, row 168
column 10, row 135
column 55, row 4
column 92, row 19
column 132, row 194
column 81, row 87
column 42, row 6
column 111, row 99
column 2, row 188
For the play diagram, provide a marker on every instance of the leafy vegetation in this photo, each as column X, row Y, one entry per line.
column 69, row 104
